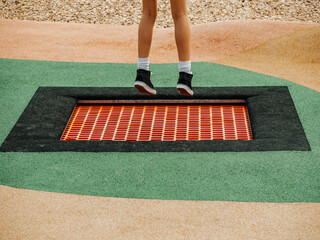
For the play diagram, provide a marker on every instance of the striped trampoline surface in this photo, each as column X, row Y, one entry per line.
column 158, row 122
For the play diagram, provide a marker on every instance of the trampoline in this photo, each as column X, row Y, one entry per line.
column 118, row 119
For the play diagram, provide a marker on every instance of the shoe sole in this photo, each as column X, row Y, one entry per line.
column 184, row 89
column 144, row 88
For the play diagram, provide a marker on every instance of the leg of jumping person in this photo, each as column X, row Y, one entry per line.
column 148, row 18
column 182, row 37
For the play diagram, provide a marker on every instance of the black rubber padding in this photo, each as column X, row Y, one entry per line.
column 274, row 121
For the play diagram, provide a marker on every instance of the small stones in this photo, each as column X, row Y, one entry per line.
column 123, row 12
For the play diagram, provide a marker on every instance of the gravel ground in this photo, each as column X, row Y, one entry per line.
column 128, row 12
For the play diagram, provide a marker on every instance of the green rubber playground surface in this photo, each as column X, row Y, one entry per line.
column 276, row 176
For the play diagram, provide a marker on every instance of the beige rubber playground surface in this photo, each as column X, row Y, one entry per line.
column 288, row 50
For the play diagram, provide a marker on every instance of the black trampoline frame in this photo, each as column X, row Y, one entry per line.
column 274, row 121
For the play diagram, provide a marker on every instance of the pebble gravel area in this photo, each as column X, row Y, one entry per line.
column 128, row 12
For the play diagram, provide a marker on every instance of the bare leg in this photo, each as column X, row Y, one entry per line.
column 182, row 28
column 146, row 25
column 148, row 18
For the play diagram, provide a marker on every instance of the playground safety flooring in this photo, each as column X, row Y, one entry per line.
column 185, row 195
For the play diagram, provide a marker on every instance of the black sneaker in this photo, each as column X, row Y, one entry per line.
column 143, row 83
column 184, row 83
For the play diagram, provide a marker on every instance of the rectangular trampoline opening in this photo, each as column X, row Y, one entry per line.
column 159, row 120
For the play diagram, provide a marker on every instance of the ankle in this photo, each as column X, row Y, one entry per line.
column 143, row 63
column 185, row 66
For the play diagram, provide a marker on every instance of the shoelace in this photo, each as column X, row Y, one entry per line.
column 186, row 77
column 145, row 74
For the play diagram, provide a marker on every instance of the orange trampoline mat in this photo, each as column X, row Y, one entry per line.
column 158, row 123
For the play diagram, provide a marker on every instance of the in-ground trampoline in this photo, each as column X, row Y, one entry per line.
column 102, row 119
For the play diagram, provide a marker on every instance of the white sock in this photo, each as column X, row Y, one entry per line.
column 185, row 66
column 143, row 63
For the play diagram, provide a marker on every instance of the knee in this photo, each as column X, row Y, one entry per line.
column 178, row 15
column 151, row 15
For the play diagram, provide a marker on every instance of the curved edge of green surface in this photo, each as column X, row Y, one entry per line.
column 282, row 176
